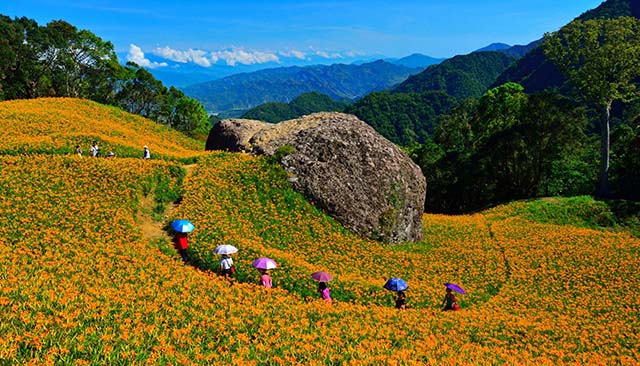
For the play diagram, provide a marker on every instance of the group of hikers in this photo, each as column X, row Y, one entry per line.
column 95, row 151
column 227, row 269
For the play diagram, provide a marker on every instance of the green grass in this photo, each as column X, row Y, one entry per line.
column 580, row 211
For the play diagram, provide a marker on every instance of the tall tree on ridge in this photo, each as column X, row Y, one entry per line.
column 601, row 58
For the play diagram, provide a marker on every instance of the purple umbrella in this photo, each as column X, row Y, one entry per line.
column 321, row 276
column 264, row 263
column 455, row 288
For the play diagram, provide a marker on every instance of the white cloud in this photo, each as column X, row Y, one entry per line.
column 198, row 57
column 232, row 56
column 239, row 55
column 354, row 53
column 136, row 55
column 293, row 53
column 324, row 54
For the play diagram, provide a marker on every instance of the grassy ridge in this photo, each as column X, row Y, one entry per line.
column 57, row 125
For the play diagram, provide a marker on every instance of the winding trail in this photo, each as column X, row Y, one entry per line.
column 151, row 228
column 501, row 248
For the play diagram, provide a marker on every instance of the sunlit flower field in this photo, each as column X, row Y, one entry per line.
column 81, row 285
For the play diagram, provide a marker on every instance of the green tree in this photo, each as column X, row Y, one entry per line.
column 508, row 145
column 403, row 118
column 601, row 58
column 191, row 118
column 141, row 93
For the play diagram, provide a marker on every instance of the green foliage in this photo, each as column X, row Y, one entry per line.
column 600, row 58
column 283, row 151
column 271, row 112
column 304, row 104
column 580, row 211
column 506, row 146
column 612, row 9
column 166, row 187
column 625, row 168
column 403, row 118
column 461, row 76
column 60, row 60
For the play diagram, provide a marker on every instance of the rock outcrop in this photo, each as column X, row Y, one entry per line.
column 233, row 134
column 345, row 167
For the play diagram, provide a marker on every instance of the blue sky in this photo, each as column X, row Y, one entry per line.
column 246, row 32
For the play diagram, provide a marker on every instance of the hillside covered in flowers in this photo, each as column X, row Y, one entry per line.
column 81, row 283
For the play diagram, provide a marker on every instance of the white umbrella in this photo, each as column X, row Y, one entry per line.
column 226, row 249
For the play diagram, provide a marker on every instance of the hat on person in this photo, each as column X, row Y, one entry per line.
column 145, row 146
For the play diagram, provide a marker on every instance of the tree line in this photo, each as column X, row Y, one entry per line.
column 512, row 145
column 58, row 60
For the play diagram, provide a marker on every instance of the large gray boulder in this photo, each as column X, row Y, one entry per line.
column 233, row 134
column 346, row 168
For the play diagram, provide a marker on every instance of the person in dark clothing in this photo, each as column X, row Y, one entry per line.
column 449, row 302
column 401, row 301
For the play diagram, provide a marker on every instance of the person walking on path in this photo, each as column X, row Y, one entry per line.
column 265, row 279
column 146, row 154
column 226, row 266
column 181, row 245
column 324, row 292
column 95, row 150
column 449, row 303
column 401, row 301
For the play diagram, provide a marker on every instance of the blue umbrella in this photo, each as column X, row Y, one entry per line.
column 455, row 288
column 182, row 226
column 396, row 284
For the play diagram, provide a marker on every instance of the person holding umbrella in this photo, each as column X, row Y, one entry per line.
column 401, row 301
column 323, row 289
column 450, row 303
column 265, row 279
column 226, row 263
column 226, row 266
column 264, row 265
column 182, row 227
column 398, row 285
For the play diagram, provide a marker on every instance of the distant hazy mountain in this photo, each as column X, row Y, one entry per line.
column 417, row 60
column 304, row 104
column 521, row 50
column 536, row 73
column 461, row 76
column 516, row 51
column 494, row 47
column 339, row 81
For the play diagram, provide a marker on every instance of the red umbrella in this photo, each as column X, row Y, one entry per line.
column 321, row 276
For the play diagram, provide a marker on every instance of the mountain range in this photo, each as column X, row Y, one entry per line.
column 536, row 73
column 233, row 95
column 462, row 76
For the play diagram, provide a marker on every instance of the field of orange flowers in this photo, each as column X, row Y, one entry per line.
column 57, row 125
column 81, row 285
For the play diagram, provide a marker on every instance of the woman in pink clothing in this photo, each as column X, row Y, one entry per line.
column 265, row 279
column 324, row 292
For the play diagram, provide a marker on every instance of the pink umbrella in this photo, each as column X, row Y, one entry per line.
column 321, row 276
column 264, row 263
